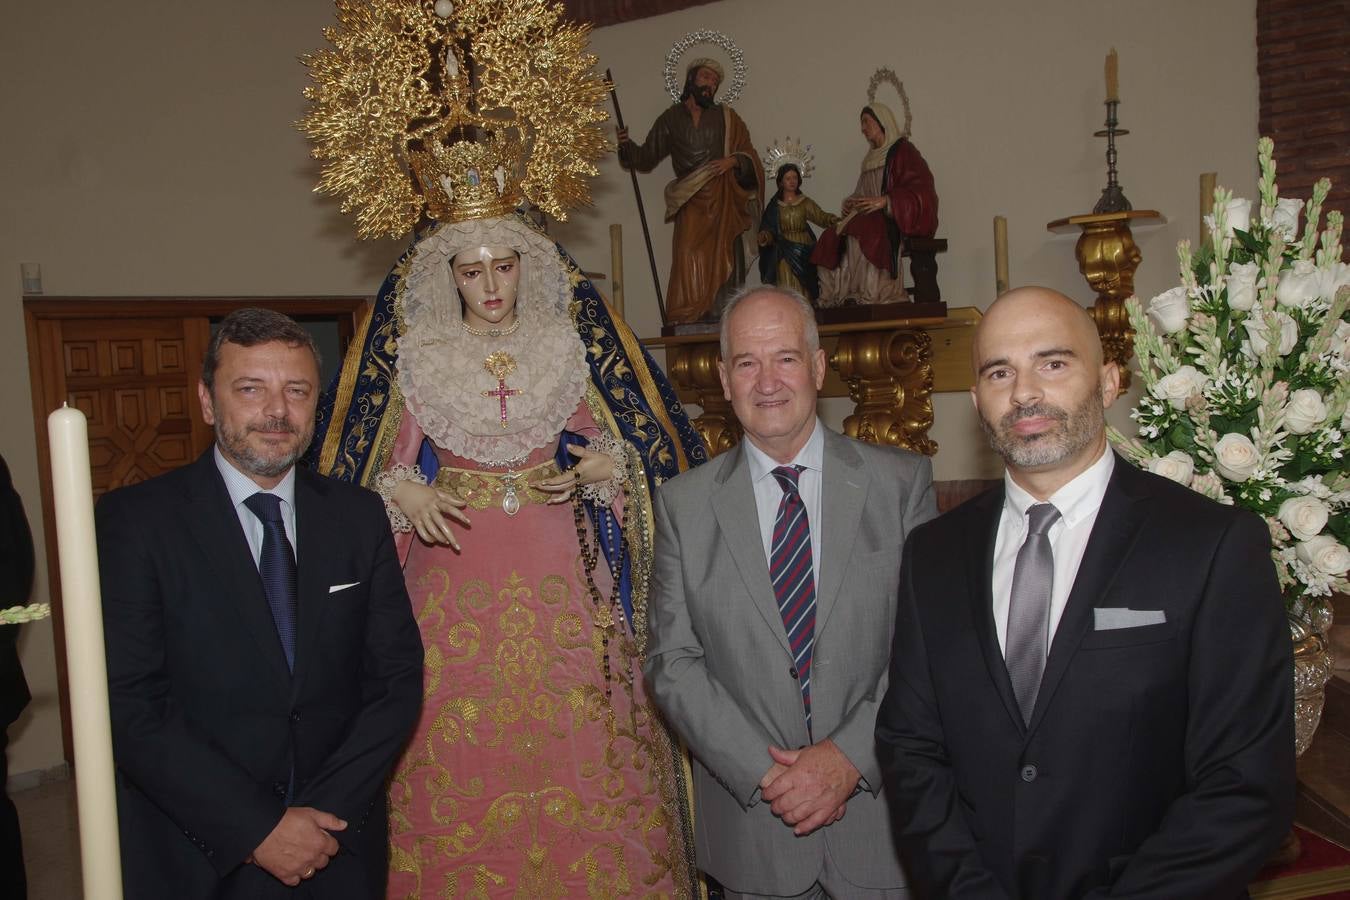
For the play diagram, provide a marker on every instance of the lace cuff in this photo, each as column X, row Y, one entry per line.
column 386, row 482
column 603, row 493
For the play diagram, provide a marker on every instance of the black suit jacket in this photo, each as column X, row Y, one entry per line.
column 16, row 584
column 1159, row 761
column 207, row 720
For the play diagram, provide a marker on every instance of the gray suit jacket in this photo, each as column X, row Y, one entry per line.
column 718, row 661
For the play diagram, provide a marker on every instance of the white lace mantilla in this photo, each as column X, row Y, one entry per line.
column 440, row 366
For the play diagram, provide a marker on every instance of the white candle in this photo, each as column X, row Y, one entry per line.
column 87, row 671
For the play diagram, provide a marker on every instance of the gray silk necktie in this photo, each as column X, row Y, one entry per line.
column 1029, row 608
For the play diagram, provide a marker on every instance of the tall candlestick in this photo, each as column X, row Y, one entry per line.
column 1112, row 77
column 1000, row 255
column 87, row 671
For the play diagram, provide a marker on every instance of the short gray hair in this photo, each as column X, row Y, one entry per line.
column 808, row 313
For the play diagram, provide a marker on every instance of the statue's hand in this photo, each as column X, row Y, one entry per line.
column 723, row 165
column 765, row 239
column 623, row 135
column 428, row 509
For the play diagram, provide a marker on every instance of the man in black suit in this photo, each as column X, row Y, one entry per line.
column 260, row 694
column 1091, row 679
column 16, row 583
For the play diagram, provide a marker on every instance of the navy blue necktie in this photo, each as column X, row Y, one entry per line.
column 276, row 565
column 793, row 575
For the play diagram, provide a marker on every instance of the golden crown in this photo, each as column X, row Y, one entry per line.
column 456, row 110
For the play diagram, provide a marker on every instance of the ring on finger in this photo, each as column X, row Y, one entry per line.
column 309, row 873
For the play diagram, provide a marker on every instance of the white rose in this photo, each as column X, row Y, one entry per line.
column 1242, row 285
column 1256, row 331
column 1305, row 517
column 1299, row 285
column 1235, row 457
column 1304, row 412
column 1325, row 554
column 1176, row 465
column 1170, row 310
column 1340, row 340
column 1332, row 279
column 1179, row 387
column 1237, row 214
column 1284, row 217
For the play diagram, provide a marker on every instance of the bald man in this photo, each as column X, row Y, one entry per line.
column 1090, row 681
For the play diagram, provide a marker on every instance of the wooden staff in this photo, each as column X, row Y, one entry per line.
column 616, row 267
column 642, row 212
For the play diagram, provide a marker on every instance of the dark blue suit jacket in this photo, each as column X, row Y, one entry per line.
column 208, row 722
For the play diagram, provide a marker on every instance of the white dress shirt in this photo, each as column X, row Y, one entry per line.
column 768, row 494
column 1077, row 502
column 241, row 487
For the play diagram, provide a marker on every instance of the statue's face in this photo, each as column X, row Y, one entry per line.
column 872, row 130
column 706, row 84
column 487, row 278
column 791, row 181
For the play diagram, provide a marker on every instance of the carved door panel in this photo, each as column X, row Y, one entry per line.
column 135, row 380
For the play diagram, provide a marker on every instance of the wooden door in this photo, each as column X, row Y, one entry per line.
column 132, row 366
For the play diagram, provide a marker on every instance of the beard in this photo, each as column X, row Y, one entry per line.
column 1077, row 430
column 235, row 445
column 703, row 96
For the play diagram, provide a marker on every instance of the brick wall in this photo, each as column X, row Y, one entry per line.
column 1303, row 63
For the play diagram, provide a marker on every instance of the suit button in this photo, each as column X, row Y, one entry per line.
column 1029, row 773
column 792, row 673
column 295, row 716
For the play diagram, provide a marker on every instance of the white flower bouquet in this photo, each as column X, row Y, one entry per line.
column 1244, row 371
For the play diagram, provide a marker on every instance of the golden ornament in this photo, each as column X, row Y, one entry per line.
column 459, row 116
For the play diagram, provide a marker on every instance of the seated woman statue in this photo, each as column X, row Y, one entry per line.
column 859, row 259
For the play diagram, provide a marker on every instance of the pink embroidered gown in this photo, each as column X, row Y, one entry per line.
column 528, row 775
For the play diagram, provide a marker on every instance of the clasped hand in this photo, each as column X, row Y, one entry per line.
column 299, row 845
column 427, row 508
column 591, row 467
column 809, row 788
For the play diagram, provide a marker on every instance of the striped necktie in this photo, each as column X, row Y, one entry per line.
column 276, row 565
column 794, row 581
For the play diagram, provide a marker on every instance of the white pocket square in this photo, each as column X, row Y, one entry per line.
column 341, row 587
column 1111, row 618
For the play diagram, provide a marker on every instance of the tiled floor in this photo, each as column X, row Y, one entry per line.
column 51, row 841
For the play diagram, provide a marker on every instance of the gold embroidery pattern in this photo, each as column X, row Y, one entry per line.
column 532, row 779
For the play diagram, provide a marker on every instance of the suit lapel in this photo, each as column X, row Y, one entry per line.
column 842, row 496
column 737, row 516
column 316, row 546
column 1122, row 513
column 214, row 525
column 984, row 515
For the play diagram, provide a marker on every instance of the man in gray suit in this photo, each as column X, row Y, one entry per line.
column 773, row 605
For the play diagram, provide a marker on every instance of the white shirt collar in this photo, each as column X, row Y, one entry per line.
column 241, row 487
column 811, row 456
column 1079, row 498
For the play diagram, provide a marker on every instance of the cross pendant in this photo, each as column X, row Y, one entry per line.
column 501, row 393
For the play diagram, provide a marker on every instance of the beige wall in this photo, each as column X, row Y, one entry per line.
column 148, row 149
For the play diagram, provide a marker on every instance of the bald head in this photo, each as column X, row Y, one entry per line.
column 1035, row 310
column 1041, row 387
